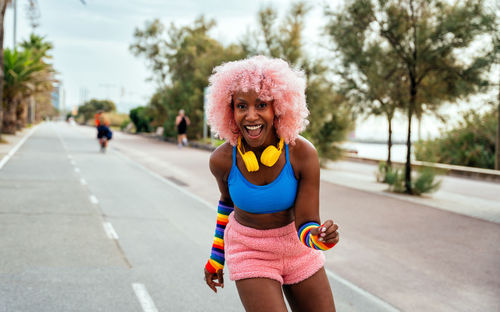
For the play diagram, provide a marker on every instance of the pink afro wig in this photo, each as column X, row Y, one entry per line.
column 272, row 79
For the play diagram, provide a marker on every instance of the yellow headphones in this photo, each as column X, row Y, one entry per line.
column 268, row 158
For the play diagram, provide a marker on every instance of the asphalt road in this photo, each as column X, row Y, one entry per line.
column 130, row 230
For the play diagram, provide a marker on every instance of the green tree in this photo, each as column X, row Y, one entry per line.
column 3, row 7
column 470, row 143
column 42, row 81
column 19, row 68
column 90, row 108
column 182, row 59
column 370, row 79
column 425, row 36
column 141, row 117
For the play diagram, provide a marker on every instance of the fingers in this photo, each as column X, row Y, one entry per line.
column 220, row 277
column 328, row 232
column 210, row 279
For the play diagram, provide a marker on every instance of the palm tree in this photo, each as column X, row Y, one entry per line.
column 19, row 69
column 3, row 7
column 42, row 80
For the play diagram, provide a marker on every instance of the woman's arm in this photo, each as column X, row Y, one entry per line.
column 306, row 165
column 220, row 165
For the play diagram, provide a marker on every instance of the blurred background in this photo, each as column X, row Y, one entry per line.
column 404, row 100
column 154, row 58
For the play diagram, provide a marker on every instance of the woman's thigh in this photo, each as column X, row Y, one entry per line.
column 261, row 294
column 312, row 294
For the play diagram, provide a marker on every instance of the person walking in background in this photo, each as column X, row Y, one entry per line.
column 182, row 122
column 268, row 226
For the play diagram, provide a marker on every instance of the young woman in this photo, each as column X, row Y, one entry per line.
column 268, row 227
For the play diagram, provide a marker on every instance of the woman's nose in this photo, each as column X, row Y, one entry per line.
column 252, row 113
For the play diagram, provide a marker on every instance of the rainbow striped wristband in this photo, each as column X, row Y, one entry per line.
column 310, row 240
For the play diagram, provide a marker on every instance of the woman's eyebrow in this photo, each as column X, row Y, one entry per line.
column 241, row 100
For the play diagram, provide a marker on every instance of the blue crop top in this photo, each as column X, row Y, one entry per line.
column 276, row 196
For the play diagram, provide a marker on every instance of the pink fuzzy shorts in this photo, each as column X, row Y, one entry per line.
column 276, row 254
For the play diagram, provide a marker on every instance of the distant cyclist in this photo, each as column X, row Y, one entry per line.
column 104, row 134
column 182, row 122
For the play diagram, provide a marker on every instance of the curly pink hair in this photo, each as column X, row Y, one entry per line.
column 272, row 79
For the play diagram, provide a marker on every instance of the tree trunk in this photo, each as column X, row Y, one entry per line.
column 9, row 118
column 497, row 145
column 22, row 114
column 389, row 142
column 3, row 6
column 411, row 106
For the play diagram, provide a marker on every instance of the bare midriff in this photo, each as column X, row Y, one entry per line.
column 264, row 221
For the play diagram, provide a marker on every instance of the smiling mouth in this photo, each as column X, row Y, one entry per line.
column 254, row 131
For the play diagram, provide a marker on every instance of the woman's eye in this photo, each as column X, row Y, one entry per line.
column 241, row 106
column 262, row 105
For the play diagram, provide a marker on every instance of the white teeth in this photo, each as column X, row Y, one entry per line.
column 253, row 127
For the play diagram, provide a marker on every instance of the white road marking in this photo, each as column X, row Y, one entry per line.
column 145, row 300
column 93, row 199
column 73, row 162
column 70, row 157
column 11, row 153
column 110, row 231
column 83, row 182
column 77, row 170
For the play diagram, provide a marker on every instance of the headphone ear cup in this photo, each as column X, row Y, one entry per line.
column 270, row 156
column 250, row 161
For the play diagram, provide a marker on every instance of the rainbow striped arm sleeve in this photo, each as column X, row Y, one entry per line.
column 216, row 261
column 310, row 240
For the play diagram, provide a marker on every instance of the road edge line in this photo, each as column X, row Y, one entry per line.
column 11, row 153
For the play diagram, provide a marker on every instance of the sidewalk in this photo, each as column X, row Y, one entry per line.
column 470, row 197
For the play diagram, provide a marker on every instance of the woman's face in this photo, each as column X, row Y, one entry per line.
column 254, row 117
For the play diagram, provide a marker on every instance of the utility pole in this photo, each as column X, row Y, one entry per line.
column 14, row 7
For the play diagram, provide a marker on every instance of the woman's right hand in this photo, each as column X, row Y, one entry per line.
column 214, row 280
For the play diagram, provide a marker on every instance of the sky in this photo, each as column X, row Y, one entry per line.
column 91, row 42
column 91, row 46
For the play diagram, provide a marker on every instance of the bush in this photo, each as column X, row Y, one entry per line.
column 424, row 182
column 471, row 143
column 117, row 119
column 141, row 119
column 169, row 128
column 90, row 108
column 124, row 124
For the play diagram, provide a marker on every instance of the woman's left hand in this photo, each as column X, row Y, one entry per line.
column 327, row 233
